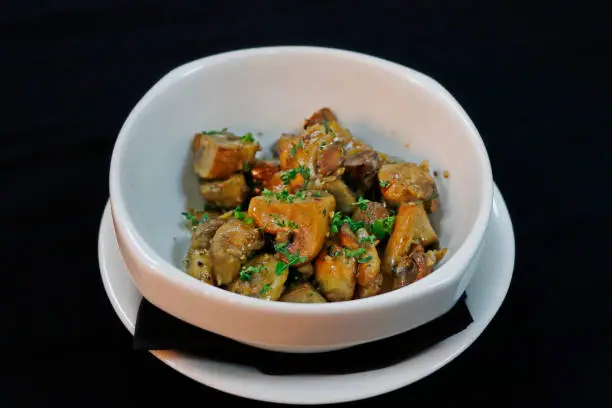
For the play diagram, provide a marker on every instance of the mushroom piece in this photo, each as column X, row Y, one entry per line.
column 296, row 183
column 301, row 223
column 228, row 193
column 433, row 204
column 321, row 116
column 411, row 226
column 373, row 211
column 302, row 292
column 361, row 169
column 424, row 233
column 262, row 174
column 342, row 194
column 369, row 277
column 258, row 279
column 306, row 271
column 347, row 238
column 319, row 148
column 335, row 274
column 203, row 233
column 287, row 147
column 330, row 159
column 416, row 265
column 199, row 264
column 219, row 155
column 231, row 245
column 406, row 182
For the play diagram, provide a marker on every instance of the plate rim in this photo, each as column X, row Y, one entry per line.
column 180, row 361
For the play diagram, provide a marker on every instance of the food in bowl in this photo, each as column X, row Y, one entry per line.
column 326, row 219
column 384, row 104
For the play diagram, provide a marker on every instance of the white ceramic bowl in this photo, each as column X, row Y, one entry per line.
column 271, row 90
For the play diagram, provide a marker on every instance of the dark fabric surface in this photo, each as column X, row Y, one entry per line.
column 534, row 77
column 157, row 330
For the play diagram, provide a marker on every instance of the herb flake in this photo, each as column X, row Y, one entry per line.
column 193, row 219
column 291, row 174
column 349, row 253
column 383, row 226
column 283, row 195
column 366, row 259
column 247, row 138
column 246, row 273
column 362, row 203
column 292, row 259
column 242, row 216
column 370, row 239
column 284, row 223
column 214, row 132
column 339, row 219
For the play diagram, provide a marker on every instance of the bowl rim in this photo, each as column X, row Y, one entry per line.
column 444, row 276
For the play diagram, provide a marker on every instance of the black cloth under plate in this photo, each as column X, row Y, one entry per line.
column 158, row 330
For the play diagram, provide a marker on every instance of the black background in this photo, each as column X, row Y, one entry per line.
column 533, row 77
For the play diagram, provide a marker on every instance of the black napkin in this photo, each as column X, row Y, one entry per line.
column 157, row 330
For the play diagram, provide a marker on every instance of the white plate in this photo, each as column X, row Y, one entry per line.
column 485, row 295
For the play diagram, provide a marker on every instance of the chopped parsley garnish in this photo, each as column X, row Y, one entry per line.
column 362, row 203
column 245, row 166
column 336, row 222
column 295, row 147
column 369, row 239
column 242, row 216
column 322, row 147
column 366, row 259
column 247, row 138
column 382, row 226
column 214, row 132
column 246, row 273
column 357, row 253
column 326, row 126
column 265, row 288
column 194, row 220
column 187, row 263
column 338, row 219
column 292, row 259
column 283, row 223
column 305, row 172
column 268, row 195
column 283, row 195
column 383, row 184
column 317, row 193
column 354, row 252
column 190, row 217
column 280, row 246
column 289, row 175
column 355, row 225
